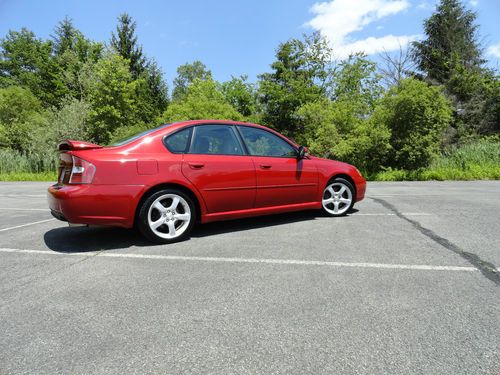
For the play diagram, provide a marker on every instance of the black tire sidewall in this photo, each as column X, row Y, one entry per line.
column 349, row 186
column 142, row 217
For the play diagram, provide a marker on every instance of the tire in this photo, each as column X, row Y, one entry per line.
column 338, row 197
column 167, row 216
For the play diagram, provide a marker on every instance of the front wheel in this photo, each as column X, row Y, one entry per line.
column 167, row 216
column 338, row 197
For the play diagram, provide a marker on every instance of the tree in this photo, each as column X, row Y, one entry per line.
column 300, row 75
column 187, row 74
column 65, row 35
column 340, row 126
column 125, row 43
column 452, row 38
column 241, row 95
column 396, row 67
column 26, row 60
column 203, row 100
column 417, row 115
column 112, row 95
column 21, row 114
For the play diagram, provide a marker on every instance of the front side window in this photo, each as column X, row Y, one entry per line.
column 263, row 143
column 178, row 142
column 216, row 140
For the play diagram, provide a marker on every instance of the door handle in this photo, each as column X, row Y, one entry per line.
column 196, row 165
column 265, row 166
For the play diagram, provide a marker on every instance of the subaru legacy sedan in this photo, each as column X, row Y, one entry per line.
column 165, row 180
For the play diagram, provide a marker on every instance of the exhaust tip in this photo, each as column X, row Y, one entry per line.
column 73, row 225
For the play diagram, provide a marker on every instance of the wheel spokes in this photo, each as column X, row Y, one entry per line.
column 175, row 203
column 183, row 217
column 160, row 207
column 327, row 201
column 171, row 228
column 158, row 223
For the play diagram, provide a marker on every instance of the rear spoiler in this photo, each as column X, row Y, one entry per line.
column 70, row 145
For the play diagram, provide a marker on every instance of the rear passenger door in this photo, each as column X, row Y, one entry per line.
column 217, row 166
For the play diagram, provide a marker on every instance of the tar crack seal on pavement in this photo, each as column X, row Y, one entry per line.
column 486, row 268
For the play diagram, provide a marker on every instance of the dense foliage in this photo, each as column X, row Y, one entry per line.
column 429, row 103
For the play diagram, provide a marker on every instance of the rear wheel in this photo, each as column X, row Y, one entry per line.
column 338, row 197
column 167, row 216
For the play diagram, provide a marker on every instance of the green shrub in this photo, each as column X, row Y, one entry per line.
column 12, row 161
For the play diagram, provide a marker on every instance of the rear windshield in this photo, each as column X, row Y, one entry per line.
column 137, row 136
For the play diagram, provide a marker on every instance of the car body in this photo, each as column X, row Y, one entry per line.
column 228, row 170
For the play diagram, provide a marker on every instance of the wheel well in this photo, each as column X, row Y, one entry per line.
column 345, row 177
column 159, row 187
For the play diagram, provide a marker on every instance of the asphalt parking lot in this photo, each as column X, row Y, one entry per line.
column 407, row 283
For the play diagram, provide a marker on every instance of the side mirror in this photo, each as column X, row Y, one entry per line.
column 301, row 152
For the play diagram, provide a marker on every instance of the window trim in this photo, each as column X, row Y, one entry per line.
column 188, row 144
column 232, row 130
column 276, row 135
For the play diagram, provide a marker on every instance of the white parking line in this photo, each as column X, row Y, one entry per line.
column 23, row 195
column 24, row 209
column 26, row 225
column 391, row 214
column 420, row 267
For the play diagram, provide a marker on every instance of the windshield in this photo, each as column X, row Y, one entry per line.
column 137, row 136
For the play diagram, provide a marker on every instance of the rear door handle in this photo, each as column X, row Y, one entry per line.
column 196, row 165
column 265, row 166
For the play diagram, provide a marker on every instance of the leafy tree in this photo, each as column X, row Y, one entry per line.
column 203, row 100
column 125, row 44
column 21, row 114
column 26, row 61
column 300, row 75
column 417, row 115
column 355, row 82
column 452, row 38
column 186, row 75
column 113, row 98
column 242, row 95
column 341, row 127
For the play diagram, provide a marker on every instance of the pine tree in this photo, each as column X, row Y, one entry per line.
column 65, row 35
column 452, row 39
column 125, row 43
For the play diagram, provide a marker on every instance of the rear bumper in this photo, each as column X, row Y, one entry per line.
column 95, row 204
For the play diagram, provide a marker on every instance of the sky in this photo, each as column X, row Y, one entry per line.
column 240, row 37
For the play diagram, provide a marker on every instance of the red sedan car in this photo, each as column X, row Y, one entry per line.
column 165, row 180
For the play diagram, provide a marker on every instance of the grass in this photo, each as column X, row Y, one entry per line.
column 28, row 176
column 475, row 161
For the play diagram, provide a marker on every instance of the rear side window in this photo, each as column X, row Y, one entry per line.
column 216, row 140
column 178, row 142
column 263, row 143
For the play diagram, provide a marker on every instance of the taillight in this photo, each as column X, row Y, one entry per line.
column 82, row 171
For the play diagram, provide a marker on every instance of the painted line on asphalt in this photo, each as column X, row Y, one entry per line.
column 26, row 225
column 23, row 209
column 22, row 195
column 391, row 214
column 420, row 267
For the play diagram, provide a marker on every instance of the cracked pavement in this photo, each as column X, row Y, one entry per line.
column 407, row 283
